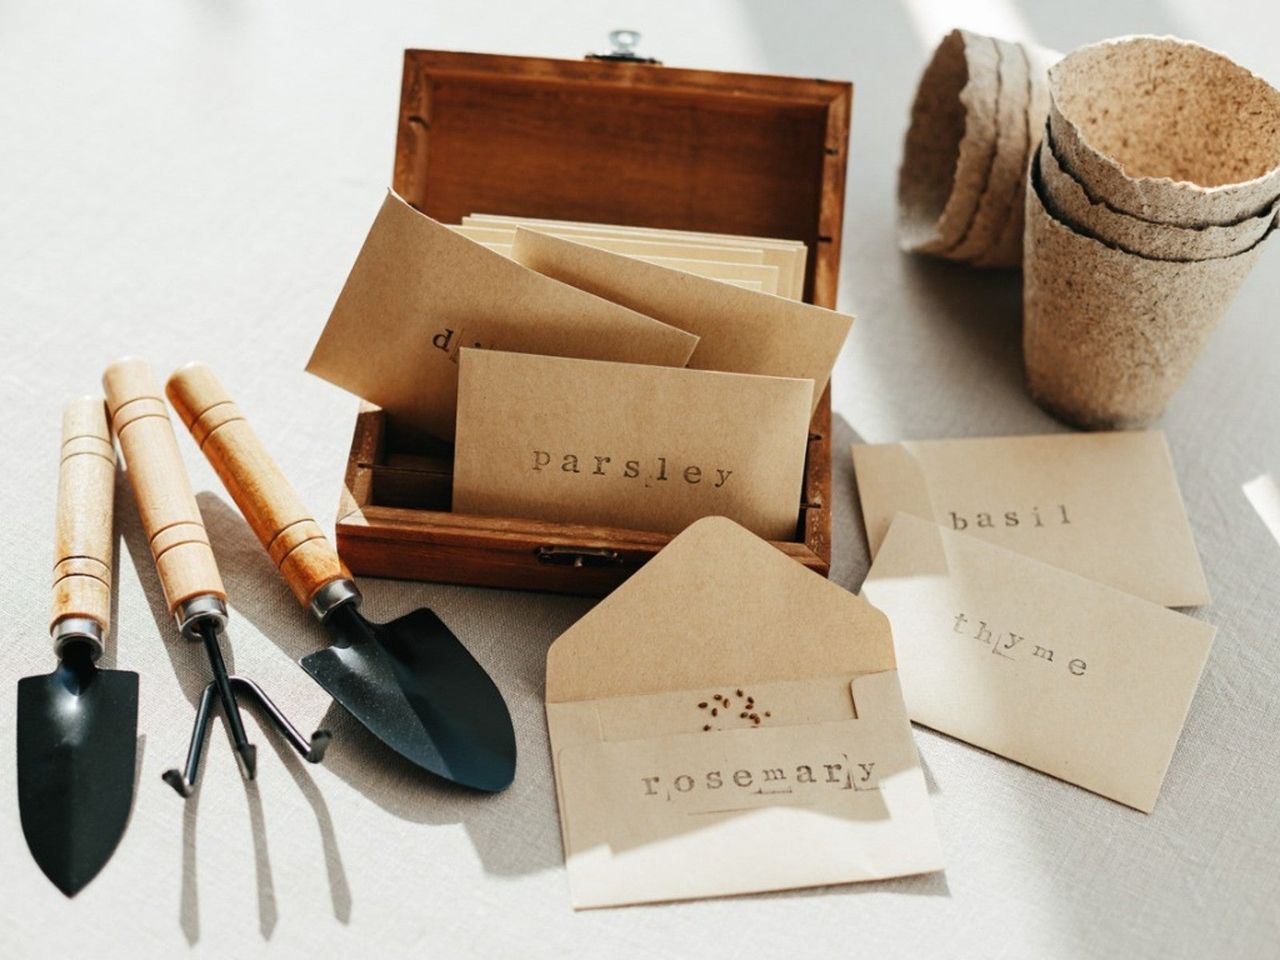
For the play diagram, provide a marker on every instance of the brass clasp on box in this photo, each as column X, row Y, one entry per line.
column 579, row 556
column 624, row 44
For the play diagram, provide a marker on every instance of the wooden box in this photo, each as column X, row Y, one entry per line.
column 612, row 142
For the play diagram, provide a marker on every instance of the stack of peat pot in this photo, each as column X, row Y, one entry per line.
column 1149, row 200
column 1135, row 180
column 975, row 123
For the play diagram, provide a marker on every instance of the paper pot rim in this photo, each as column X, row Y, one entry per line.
column 1207, row 234
column 1034, row 184
column 1002, row 190
column 929, row 221
column 1269, row 209
column 1155, row 186
column 1158, row 184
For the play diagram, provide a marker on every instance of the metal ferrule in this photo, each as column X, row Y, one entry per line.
column 78, row 630
column 205, row 607
column 333, row 595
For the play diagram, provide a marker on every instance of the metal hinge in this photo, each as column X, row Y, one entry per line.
column 579, row 556
column 624, row 44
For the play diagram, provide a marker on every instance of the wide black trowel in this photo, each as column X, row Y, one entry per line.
column 411, row 682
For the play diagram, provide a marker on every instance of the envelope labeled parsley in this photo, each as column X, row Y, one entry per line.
column 628, row 445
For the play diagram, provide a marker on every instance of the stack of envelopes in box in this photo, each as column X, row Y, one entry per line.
column 592, row 375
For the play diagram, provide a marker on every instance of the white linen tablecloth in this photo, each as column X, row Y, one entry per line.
column 193, row 180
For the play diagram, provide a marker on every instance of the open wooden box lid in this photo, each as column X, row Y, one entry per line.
column 611, row 142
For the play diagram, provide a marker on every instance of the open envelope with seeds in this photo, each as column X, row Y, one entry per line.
column 729, row 722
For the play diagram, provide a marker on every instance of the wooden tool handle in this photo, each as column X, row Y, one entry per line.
column 284, row 526
column 170, row 516
column 82, row 546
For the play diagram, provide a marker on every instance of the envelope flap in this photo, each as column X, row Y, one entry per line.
column 418, row 292
column 717, row 605
column 740, row 330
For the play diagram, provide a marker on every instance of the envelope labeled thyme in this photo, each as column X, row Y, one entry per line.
column 1060, row 673
column 628, row 445
column 1103, row 505
column 419, row 292
column 729, row 722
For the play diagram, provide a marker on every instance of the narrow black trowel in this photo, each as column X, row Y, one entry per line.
column 78, row 726
column 411, row 682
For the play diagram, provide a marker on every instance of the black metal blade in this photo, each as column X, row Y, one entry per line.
column 418, row 689
column 77, row 750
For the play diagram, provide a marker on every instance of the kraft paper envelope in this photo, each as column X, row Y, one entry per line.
column 740, row 331
column 726, row 264
column 418, row 292
column 729, row 722
column 702, row 268
column 1073, row 678
column 789, row 256
column 630, row 245
column 766, row 276
column 626, row 445
column 1103, row 505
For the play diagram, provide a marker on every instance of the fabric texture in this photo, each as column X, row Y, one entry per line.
column 190, row 181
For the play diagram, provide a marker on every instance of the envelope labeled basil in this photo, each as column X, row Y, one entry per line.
column 1103, row 505
column 628, row 445
column 729, row 722
column 419, row 292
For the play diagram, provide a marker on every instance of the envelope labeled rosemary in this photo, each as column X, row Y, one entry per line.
column 1103, row 505
column 729, row 722
column 1063, row 674
column 628, row 445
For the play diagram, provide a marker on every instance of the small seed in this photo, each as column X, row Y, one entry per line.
column 739, row 693
column 768, row 714
column 743, row 715
column 756, row 721
column 717, row 697
column 702, row 705
column 714, row 711
column 707, row 727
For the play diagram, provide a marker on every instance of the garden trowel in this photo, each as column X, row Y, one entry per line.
column 78, row 726
column 411, row 682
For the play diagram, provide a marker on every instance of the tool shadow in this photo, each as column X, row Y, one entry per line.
column 191, row 670
column 485, row 621
column 850, row 557
column 268, row 910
